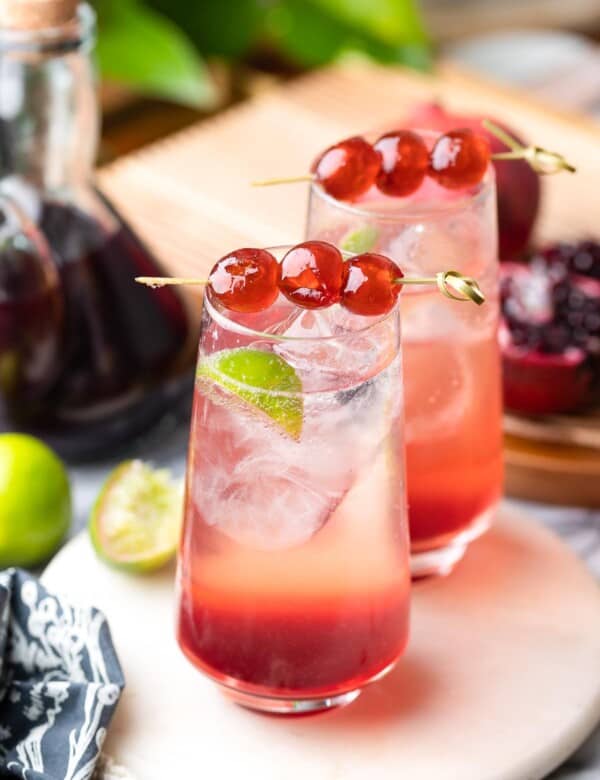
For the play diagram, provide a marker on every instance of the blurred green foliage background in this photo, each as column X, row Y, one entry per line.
column 162, row 48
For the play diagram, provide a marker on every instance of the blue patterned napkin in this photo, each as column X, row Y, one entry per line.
column 60, row 682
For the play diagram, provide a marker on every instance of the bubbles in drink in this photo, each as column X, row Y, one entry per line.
column 266, row 490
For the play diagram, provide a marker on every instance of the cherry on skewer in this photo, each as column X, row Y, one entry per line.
column 252, row 272
column 345, row 170
column 245, row 280
column 404, row 162
column 372, row 283
column 311, row 275
column 398, row 162
column 459, row 159
column 249, row 280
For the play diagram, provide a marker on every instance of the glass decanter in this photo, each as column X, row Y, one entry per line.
column 124, row 353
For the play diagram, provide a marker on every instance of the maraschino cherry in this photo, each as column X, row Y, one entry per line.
column 246, row 280
column 459, row 159
column 399, row 161
column 371, row 284
column 348, row 169
column 313, row 275
column 404, row 162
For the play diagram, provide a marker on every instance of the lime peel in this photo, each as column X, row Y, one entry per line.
column 136, row 520
column 35, row 501
column 264, row 380
column 359, row 240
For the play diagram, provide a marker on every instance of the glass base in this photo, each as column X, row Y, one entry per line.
column 280, row 706
column 440, row 561
column 436, row 563
column 284, row 705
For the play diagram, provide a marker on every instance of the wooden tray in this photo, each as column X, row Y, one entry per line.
column 500, row 680
column 191, row 199
column 555, row 459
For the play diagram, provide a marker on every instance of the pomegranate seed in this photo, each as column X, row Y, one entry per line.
column 370, row 285
column 245, row 280
column 405, row 160
column 311, row 275
column 348, row 169
column 459, row 158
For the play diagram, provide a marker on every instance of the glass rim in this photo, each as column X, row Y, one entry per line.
column 219, row 313
column 73, row 33
column 407, row 208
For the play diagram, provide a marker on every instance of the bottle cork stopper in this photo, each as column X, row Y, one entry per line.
column 36, row 14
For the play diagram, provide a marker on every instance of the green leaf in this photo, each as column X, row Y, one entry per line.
column 311, row 33
column 223, row 28
column 141, row 48
column 390, row 21
column 306, row 35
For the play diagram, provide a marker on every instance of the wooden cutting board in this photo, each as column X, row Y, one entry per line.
column 500, row 680
column 190, row 197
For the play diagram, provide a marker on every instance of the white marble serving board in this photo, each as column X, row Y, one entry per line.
column 501, row 680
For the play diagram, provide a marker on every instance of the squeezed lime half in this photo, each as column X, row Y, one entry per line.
column 136, row 520
column 264, row 380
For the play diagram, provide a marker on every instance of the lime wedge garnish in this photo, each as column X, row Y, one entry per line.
column 262, row 379
column 359, row 240
column 136, row 519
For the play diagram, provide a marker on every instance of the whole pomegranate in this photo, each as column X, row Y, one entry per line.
column 518, row 186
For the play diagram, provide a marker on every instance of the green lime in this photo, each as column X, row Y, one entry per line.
column 35, row 501
column 136, row 520
column 362, row 239
column 262, row 379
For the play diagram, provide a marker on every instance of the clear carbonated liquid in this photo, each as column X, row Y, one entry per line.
column 293, row 572
column 451, row 356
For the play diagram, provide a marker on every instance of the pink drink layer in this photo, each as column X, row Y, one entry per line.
column 450, row 349
column 293, row 572
column 454, row 455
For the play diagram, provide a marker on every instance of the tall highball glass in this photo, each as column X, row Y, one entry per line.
column 293, row 573
column 450, row 351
